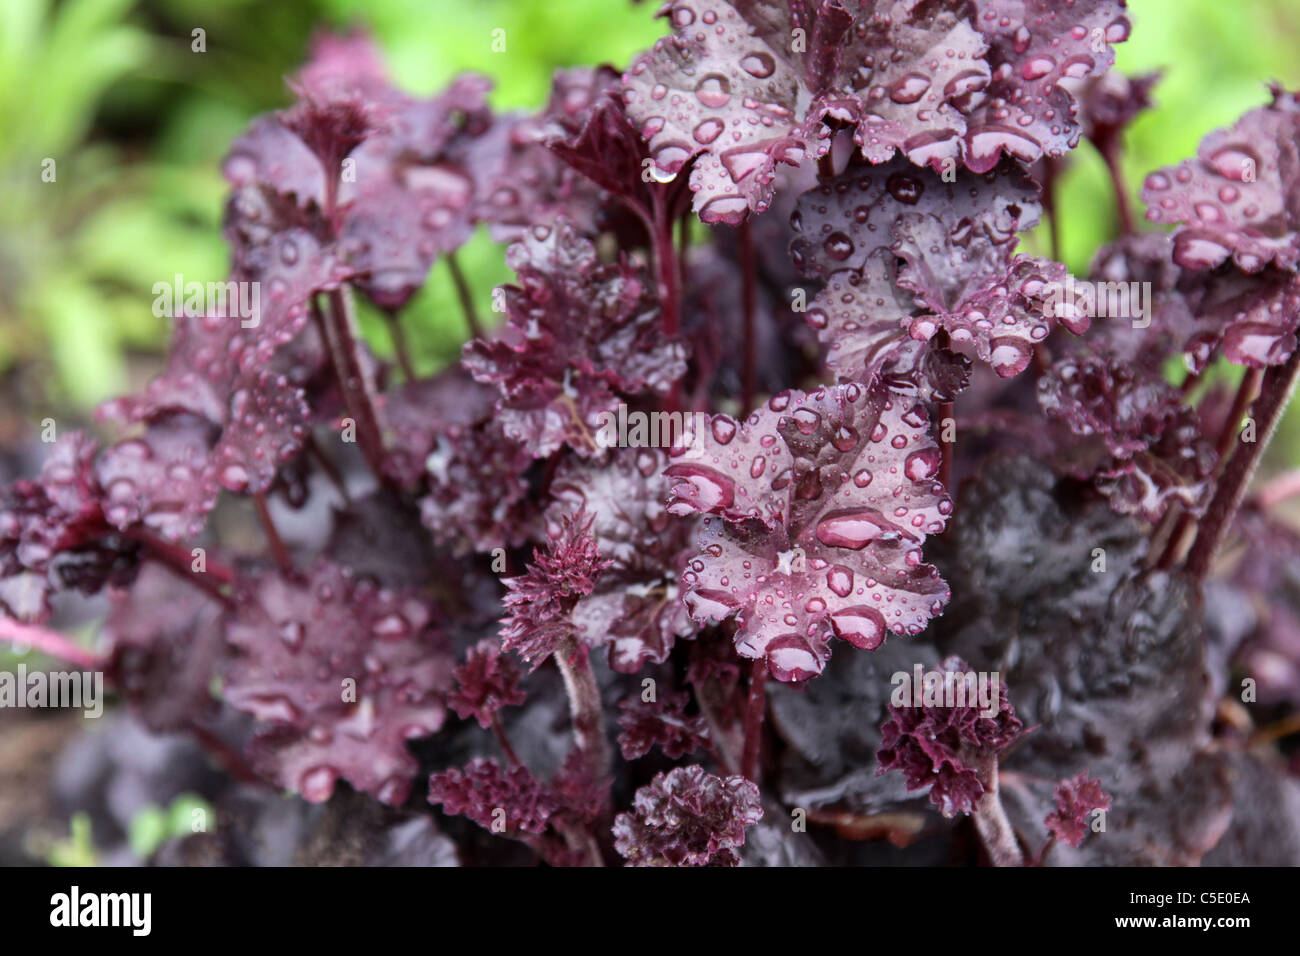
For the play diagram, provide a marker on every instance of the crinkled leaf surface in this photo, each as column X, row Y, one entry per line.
column 815, row 512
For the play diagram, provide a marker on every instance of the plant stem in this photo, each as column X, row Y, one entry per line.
column 683, row 243
column 1050, row 172
column 659, row 227
column 400, row 348
column 230, row 759
column 1122, row 204
column 724, row 746
column 947, row 449
column 51, row 643
column 991, row 821
column 1182, row 531
column 1275, row 392
column 278, row 550
column 755, row 711
column 499, row 731
column 748, row 296
column 338, row 328
column 661, row 237
column 181, row 563
column 463, row 293
column 574, row 662
column 331, row 470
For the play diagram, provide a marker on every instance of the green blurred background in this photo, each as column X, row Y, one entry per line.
column 137, row 123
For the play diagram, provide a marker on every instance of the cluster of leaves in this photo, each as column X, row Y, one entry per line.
column 422, row 536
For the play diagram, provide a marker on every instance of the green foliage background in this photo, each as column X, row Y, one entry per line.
column 137, row 124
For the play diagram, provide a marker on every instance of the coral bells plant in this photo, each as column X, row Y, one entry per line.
column 778, row 415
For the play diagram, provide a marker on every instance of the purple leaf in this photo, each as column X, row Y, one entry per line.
column 167, row 640
column 1238, row 198
column 1035, row 48
column 484, row 788
column 687, row 817
column 942, row 746
column 634, row 610
column 540, row 602
column 485, row 683
column 1076, row 799
column 956, row 242
column 53, row 532
column 578, row 331
column 816, row 510
column 663, row 724
column 863, row 317
column 745, row 85
column 341, row 672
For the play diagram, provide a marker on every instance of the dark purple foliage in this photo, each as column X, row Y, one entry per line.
column 1076, row 799
column 485, row 792
column 689, row 457
column 485, row 683
column 687, row 817
column 540, row 603
column 663, row 724
column 815, row 512
column 945, row 746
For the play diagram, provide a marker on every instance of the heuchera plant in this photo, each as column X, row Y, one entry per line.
column 788, row 238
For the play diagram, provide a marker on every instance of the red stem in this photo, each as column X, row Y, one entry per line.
column 400, row 348
column 499, row 731
column 1050, row 172
column 659, row 226
column 180, row 562
column 683, row 243
column 50, row 643
column 331, row 470
column 661, row 236
column 230, row 759
column 748, row 297
column 1122, row 203
column 338, row 328
column 947, row 449
column 278, row 550
column 1246, row 393
column 463, row 294
column 754, row 712
column 1278, row 384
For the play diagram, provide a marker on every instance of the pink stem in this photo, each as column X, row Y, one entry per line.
column 574, row 661
column 1182, row 531
column 278, row 550
column 338, row 328
column 51, row 643
column 748, row 295
column 1278, row 384
column 180, row 562
column 463, row 294
column 947, row 449
column 754, row 713
column 1122, row 204
column 499, row 731
column 991, row 822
